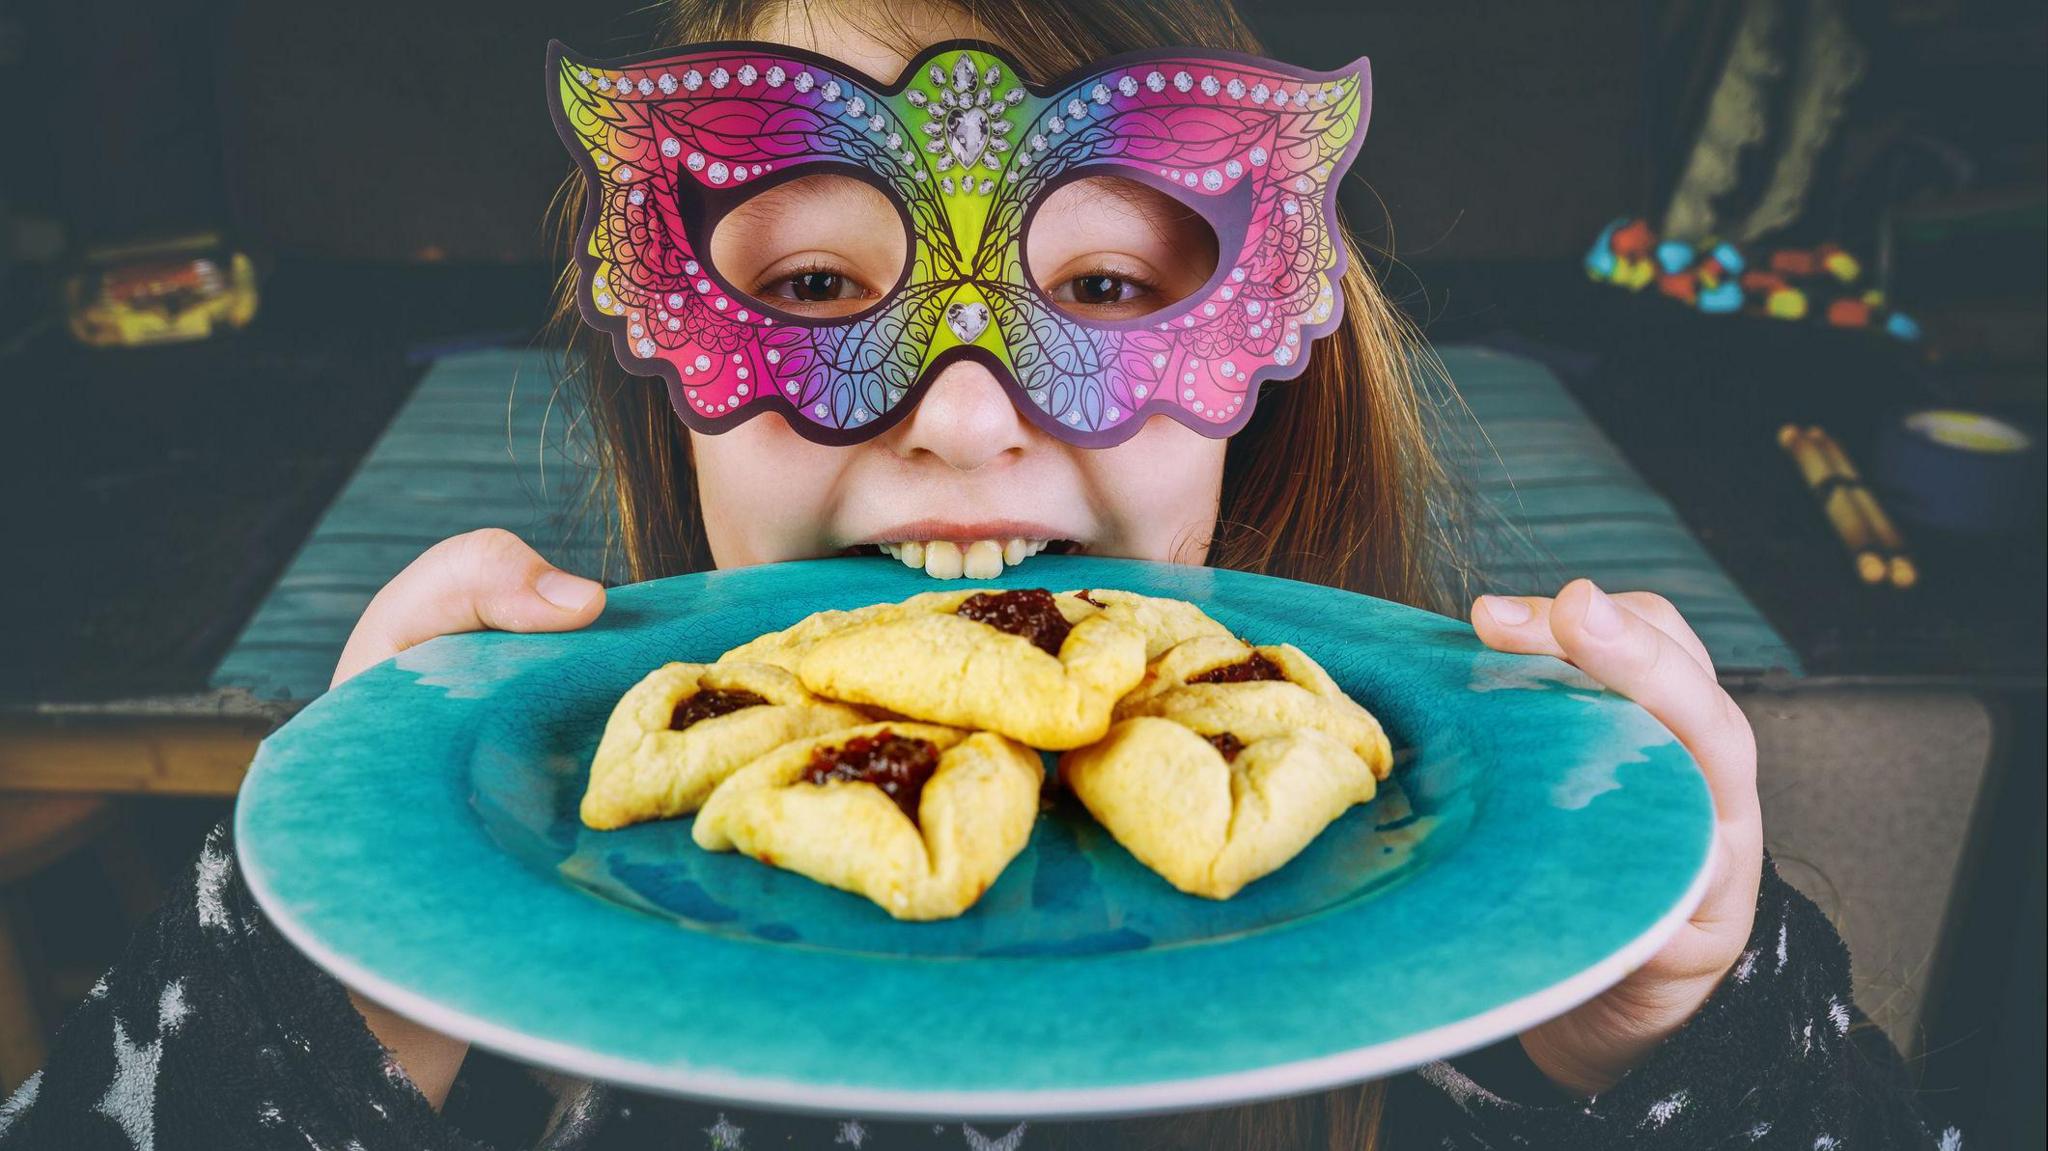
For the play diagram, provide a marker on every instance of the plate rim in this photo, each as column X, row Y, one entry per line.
column 1170, row 1095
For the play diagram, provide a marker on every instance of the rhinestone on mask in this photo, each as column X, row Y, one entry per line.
column 967, row 123
column 967, row 320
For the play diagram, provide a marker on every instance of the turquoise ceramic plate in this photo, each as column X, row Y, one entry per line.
column 415, row 832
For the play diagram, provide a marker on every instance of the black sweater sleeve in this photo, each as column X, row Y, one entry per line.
column 212, row 1031
column 1777, row 1058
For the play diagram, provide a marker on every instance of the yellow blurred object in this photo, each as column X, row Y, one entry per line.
column 1844, row 266
column 1811, row 457
column 1969, row 432
column 1874, row 298
column 1786, row 304
column 1874, row 545
column 1634, row 274
column 189, row 288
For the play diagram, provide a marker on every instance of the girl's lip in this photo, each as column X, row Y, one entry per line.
column 966, row 531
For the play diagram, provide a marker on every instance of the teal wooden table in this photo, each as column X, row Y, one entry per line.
column 481, row 445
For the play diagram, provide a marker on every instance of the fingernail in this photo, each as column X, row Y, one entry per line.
column 1603, row 619
column 570, row 593
column 1506, row 612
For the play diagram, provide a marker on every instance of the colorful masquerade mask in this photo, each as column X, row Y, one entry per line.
column 967, row 151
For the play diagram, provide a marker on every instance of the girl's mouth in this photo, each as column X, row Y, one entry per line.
column 948, row 548
column 973, row 559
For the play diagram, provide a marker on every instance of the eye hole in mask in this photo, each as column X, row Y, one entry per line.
column 820, row 247
column 1107, row 248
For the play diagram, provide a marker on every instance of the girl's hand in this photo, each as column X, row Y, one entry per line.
column 1637, row 644
column 486, row 579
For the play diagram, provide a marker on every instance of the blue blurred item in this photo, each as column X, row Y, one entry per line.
column 1674, row 257
column 1962, row 471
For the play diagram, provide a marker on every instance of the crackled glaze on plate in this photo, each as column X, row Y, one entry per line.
column 415, row 832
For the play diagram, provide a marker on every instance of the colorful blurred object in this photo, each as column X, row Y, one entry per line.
column 1822, row 284
column 171, row 291
column 1786, row 304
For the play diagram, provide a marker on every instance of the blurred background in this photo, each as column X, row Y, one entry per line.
column 271, row 277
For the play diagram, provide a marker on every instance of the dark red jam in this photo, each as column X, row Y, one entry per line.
column 709, row 704
column 1087, row 594
column 897, row 764
column 1029, row 612
column 1243, row 671
column 1228, row 744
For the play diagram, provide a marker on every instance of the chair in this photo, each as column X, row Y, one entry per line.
column 35, row 832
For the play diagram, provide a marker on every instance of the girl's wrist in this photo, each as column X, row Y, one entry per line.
column 429, row 1058
column 1585, row 1055
column 1567, row 1069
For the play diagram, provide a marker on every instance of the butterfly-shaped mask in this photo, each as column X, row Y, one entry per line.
column 966, row 150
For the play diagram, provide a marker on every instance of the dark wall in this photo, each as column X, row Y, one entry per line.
column 401, row 129
column 384, row 129
column 1500, row 129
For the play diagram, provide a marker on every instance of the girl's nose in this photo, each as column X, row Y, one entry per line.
column 965, row 420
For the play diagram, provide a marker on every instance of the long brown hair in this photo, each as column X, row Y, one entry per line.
column 1333, row 481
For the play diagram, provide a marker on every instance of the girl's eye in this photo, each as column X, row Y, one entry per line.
column 1100, row 289
column 820, row 292
column 816, row 287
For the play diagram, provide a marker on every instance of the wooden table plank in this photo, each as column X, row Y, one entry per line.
column 144, row 758
column 481, row 443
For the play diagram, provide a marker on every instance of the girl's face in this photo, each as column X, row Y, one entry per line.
column 965, row 466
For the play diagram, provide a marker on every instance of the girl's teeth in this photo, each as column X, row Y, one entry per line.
column 976, row 559
column 984, row 560
column 942, row 560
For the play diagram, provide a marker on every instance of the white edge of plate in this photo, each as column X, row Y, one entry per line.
column 1201, row 1093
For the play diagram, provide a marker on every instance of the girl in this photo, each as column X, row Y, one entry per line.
column 213, row 1032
